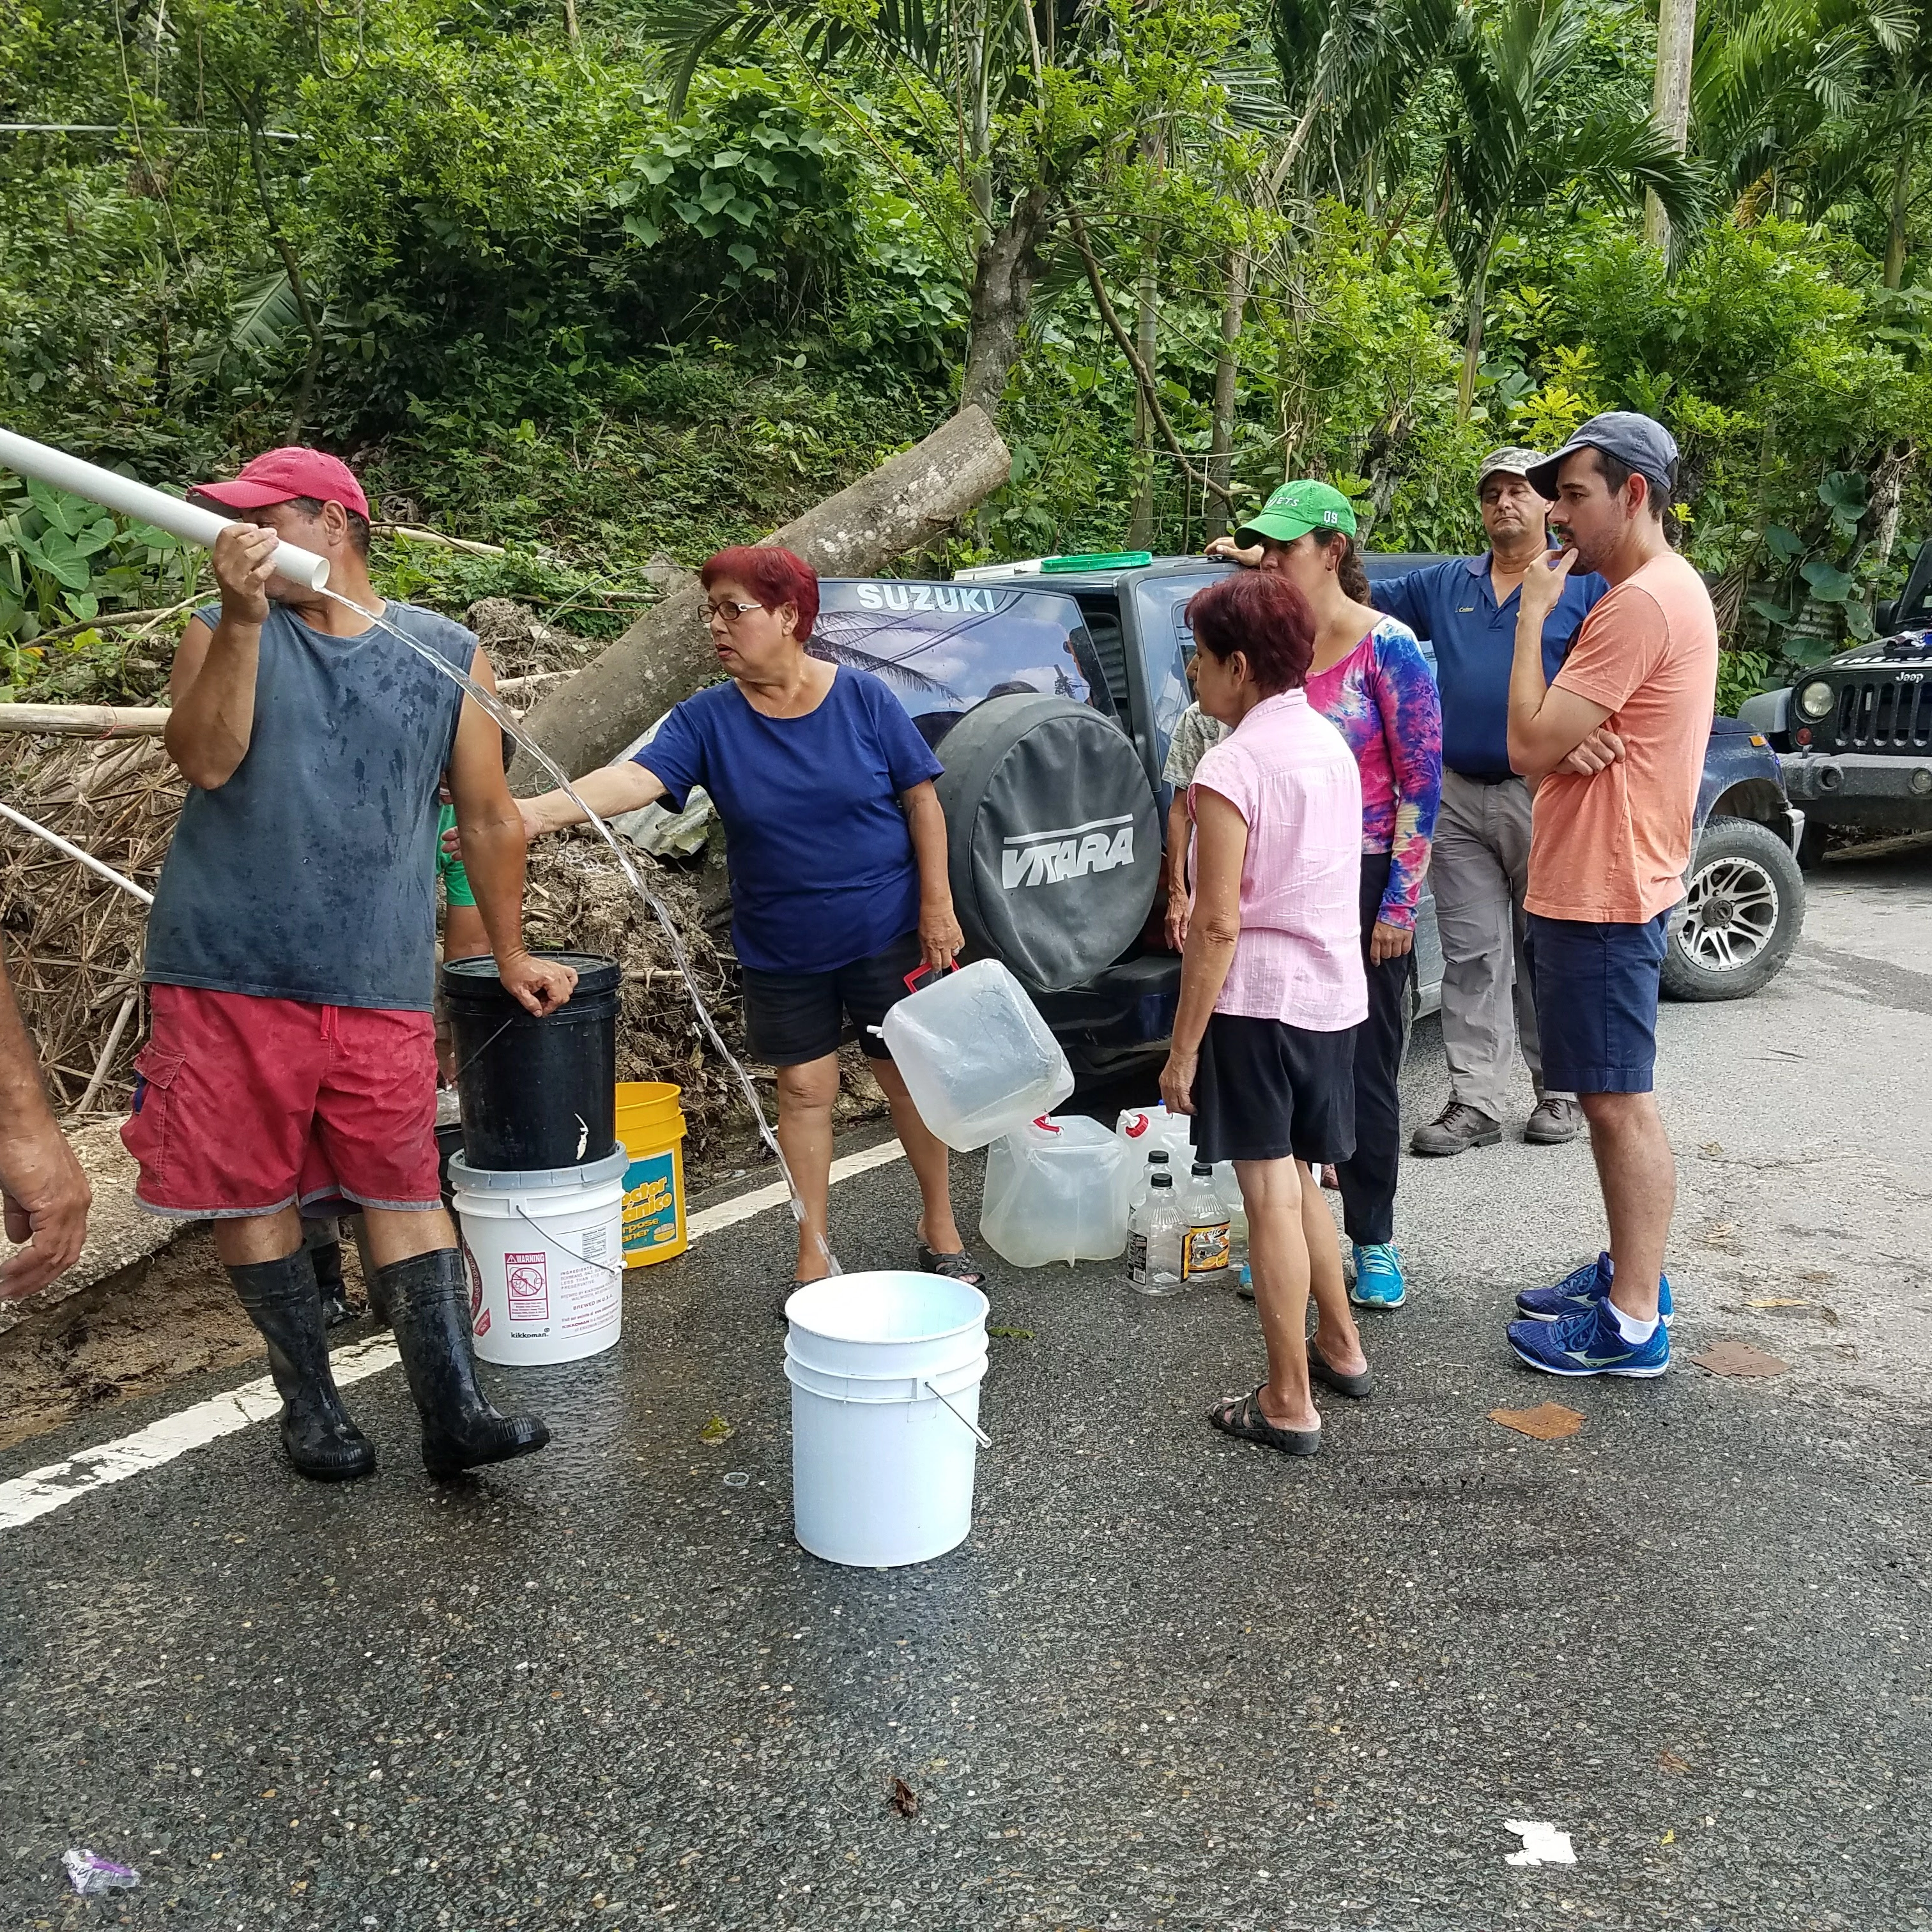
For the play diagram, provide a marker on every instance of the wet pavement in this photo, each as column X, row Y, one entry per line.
column 1170, row 1680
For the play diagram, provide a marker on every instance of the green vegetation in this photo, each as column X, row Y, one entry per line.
column 594, row 281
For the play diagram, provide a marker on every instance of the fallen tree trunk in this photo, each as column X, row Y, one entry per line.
column 666, row 655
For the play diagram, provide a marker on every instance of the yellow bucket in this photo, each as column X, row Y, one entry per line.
column 650, row 1124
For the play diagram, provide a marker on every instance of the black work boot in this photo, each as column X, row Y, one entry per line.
column 325, row 1247
column 284, row 1302
column 428, row 1301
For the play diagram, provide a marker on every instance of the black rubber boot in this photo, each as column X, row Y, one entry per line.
column 327, row 1255
column 428, row 1301
column 372, row 1281
column 282, row 1301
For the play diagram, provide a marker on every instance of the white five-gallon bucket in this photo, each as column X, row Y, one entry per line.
column 545, row 1256
column 885, row 1370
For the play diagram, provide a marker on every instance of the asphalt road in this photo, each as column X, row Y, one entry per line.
column 1170, row 1680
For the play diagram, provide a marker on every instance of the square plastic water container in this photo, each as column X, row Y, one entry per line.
column 976, row 1058
column 1056, row 1191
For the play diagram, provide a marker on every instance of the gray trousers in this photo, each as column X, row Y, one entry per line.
column 1478, row 871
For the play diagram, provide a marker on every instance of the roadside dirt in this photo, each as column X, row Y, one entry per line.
column 170, row 1315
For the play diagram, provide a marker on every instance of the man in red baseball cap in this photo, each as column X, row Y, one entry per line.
column 292, row 474
column 291, row 958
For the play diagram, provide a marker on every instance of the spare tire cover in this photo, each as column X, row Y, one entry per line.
column 1053, row 835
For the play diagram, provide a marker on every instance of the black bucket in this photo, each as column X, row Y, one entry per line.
column 449, row 1142
column 536, row 1093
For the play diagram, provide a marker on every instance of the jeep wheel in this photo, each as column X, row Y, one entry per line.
column 1741, row 915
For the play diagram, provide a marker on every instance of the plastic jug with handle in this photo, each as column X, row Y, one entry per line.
column 1055, row 1192
column 1140, row 1129
column 976, row 1058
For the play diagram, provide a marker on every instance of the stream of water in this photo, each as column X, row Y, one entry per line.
column 507, row 719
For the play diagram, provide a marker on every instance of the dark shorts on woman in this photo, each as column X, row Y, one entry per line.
column 791, row 1017
column 1263, row 1090
column 1596, row 1001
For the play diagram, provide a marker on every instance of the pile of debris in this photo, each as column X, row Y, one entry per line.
column 524, row 651
column 577, row 897
column 75, row 941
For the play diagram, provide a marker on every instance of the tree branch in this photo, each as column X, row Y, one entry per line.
column 1124, row 342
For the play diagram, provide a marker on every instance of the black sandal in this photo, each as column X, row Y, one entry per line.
column 791, row 1288
column 1357, row 1388
column 961, row 1266
column 1240, row 1416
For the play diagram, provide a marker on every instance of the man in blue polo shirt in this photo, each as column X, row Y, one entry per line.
column 1467, row 609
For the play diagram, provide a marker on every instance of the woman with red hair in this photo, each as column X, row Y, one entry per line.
column 837, row 850
column 1272, row 987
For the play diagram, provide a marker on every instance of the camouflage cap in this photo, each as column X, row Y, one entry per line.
column 1507, row 462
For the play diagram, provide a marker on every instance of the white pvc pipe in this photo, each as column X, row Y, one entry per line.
column 87, row 858
column 188, row 521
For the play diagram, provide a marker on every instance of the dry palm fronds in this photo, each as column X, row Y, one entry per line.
column 75, row 955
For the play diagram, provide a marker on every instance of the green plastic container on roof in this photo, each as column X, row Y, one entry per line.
column 1103, row 560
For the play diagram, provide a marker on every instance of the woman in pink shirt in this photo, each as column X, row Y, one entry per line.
column 1272, row 986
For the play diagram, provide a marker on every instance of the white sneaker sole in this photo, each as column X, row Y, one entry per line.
column 1579, row 1375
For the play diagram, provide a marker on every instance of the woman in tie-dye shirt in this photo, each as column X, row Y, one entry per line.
column 1370, row 680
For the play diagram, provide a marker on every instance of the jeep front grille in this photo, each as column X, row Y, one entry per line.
column 1884, row 714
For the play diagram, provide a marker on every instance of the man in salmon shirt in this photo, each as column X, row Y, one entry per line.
column 1607, row 856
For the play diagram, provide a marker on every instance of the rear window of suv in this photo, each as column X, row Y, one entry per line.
column 941, row 649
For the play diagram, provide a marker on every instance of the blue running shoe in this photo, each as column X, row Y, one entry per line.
column 1583, row 1288
column 1588, row 1343
column 1378, row 1281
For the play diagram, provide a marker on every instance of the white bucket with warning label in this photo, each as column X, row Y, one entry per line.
column 545, row 1256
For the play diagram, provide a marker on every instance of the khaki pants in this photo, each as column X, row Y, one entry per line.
column 1478, row 871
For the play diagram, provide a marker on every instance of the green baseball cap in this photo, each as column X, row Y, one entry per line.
column 1297, row 508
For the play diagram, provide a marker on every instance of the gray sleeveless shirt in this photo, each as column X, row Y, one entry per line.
column 310, row 874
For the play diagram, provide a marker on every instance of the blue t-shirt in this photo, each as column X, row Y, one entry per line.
column 820, row 856
column 1453, row 606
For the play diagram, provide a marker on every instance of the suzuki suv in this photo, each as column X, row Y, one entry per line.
column 1051, row 694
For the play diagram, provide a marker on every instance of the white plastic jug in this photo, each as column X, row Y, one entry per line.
column 1139, row 1129
column 1056, row 1191
column 977, row 1059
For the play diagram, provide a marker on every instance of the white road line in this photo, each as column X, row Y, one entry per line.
column 40, row 1492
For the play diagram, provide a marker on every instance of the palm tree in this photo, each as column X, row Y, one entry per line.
column 1670, row 97
column 1515, row 148
column 1349, row 69
column 977, row 73
column 1812, row 102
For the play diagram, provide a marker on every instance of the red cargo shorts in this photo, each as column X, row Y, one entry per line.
column 246, row 1105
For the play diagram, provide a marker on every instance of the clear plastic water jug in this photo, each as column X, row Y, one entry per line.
column 1141, row 1178
column 1141, row 1128
column 1055, row 1192
column 1229, row 1190
column 977, row 1059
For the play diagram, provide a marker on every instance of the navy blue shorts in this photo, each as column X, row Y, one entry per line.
column 1596, row 1002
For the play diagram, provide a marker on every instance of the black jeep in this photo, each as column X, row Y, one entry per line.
column 1856, row 734
column 1051, row 694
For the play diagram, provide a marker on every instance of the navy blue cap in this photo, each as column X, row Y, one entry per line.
column 1639, row 442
